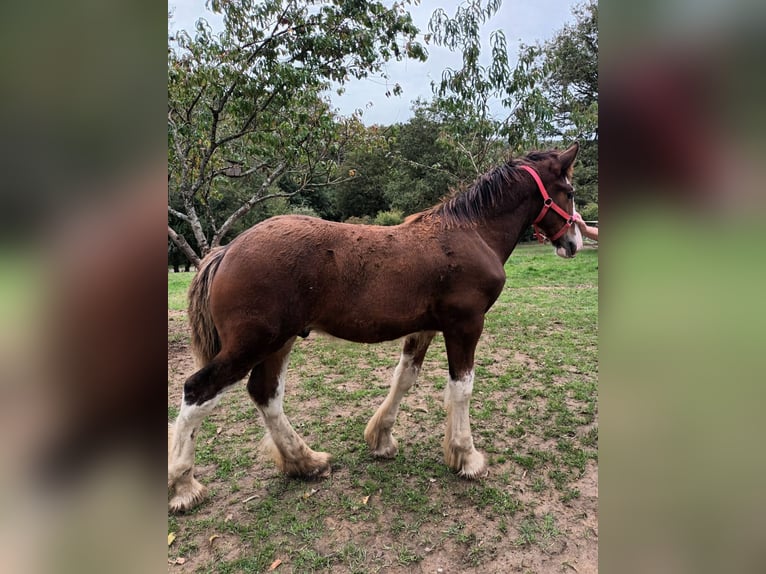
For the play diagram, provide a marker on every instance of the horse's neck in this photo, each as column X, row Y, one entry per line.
column 503, row 230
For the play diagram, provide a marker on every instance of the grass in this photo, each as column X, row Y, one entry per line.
column 178, row 283
column 533, row 412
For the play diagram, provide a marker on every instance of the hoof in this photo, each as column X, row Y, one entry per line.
column 382, row 444
column 387, row 449
column 318, row 466
column 186, row 495
column 470, row 465
column 386, row 452
column 474, row 471
column 311, row 464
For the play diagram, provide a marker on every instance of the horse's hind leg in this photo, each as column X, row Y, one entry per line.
column 201, row 394
column 267, row 389
column 378, row 431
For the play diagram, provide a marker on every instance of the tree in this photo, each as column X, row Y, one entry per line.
column 249, row 104
column 462, row 97
column 560, row 93
column 362, row 194
column 368, row 164
column 550, row 97
column 425, row 166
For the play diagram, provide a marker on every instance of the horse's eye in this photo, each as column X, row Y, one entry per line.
column 570, row 194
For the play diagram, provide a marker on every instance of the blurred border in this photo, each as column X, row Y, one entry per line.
column 682, row 361
column 83, row 285
column 681, row 316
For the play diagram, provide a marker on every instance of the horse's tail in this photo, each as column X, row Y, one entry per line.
column 204, row 336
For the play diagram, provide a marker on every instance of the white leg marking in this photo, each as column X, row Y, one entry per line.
column 378, row 431
column 274, row 408
column 459, row 451
column 181, row 447
column 288, row 449
column 187, row 491
column 457, row 398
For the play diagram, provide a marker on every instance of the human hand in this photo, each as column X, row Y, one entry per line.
column 579, row 221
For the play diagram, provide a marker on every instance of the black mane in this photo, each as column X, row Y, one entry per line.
column 465, row 208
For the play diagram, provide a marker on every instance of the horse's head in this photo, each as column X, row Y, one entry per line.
column 556, row 216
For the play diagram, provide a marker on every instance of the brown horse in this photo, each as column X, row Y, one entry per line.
column 440, row 270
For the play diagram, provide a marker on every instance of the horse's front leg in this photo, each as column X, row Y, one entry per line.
column 459, row 451
column 290, row 453
column 378, row 431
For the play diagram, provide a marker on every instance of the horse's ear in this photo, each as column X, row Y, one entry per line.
column 568, row 156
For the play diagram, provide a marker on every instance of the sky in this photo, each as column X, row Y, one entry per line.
column 522, row 21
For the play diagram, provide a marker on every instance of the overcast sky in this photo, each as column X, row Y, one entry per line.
column 523, row 22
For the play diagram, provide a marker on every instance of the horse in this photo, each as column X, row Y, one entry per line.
column 439, row 271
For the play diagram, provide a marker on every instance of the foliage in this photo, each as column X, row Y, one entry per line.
column 424, row 166
column 392, row 217
column 462, row 97
column 366, row 220
column 251, row 134
column 566, row 69
column 559, row 83
column 284, row 206
column 368, row 165
column 249, row 103
column 550, row 97
column 590, row 212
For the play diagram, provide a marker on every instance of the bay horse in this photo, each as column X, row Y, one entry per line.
column 440, row 270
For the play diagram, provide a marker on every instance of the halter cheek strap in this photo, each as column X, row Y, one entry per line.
column 548, row 204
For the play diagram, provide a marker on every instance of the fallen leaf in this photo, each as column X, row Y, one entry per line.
column 421, row 409
column 213, row 537
column 365, row 499
column 180, row 560
column 228, row 517
column 171, row 537
column 275, row 564
column 312, row 493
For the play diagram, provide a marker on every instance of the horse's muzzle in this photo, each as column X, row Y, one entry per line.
column 567, row 250
column 569, row 244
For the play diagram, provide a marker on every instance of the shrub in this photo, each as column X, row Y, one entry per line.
column 365, row 220
column 590, row 212
column 303, row 210
column 393, row 217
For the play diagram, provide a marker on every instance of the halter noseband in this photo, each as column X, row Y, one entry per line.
column 548, row 204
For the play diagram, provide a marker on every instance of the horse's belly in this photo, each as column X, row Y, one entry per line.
column 370, row 330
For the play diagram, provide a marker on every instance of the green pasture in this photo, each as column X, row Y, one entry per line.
column 178, row 284
column 533, row 413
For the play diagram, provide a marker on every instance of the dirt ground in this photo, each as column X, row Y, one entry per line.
column 574, row 548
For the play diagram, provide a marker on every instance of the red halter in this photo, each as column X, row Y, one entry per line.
column 548, row 204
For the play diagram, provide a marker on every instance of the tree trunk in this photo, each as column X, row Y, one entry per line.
column 196, row 226
column 184, row 247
